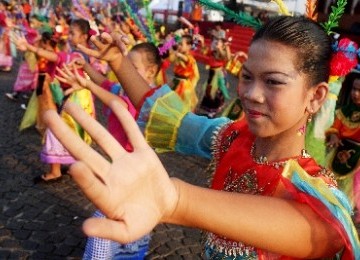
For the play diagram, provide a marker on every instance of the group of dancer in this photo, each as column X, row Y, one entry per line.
column 269, row 198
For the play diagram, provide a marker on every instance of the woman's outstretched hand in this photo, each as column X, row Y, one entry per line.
column 72, row 78
column 20, row 41
column 132, row 189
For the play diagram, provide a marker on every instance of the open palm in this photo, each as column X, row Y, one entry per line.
column 72, row 78
column 132, row 189
column 19, row 41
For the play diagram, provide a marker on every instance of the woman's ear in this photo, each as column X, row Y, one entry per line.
column 318, row 95
column 152, row 71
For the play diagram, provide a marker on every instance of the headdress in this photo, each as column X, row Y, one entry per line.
column 344, row 59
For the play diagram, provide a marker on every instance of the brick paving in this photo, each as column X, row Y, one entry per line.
column 43, row 221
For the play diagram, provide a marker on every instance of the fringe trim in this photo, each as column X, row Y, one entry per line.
column 216, row 141
column 346, row 120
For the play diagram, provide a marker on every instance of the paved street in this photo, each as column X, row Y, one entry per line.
column 44, row 221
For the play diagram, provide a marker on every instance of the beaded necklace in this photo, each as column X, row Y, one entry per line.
column 262, row 159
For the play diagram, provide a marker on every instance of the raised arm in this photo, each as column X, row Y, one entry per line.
column 277, row 225
column 111, row 49
column 23, row 45
column 94, row 75
column 78, row 82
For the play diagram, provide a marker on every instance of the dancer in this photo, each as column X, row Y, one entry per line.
column 269, row 198
column 216, row 87
column 186, row 72
column 53, row 153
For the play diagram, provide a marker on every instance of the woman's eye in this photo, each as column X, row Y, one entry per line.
column 273, row 82
column 245, row 77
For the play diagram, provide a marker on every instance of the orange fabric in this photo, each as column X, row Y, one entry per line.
column 26, row 8
column 234, row 161
column 185, row 69
column 241, row 147
column 196, row 13
column 345, row 131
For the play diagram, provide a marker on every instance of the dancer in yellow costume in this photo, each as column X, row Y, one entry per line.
column 186, row 72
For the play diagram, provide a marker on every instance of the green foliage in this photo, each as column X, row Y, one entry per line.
column 336, row 12
column 241, row 18
column 150, row 22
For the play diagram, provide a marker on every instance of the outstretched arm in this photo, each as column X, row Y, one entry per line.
column 94, row 75
column 78, row 82
column 134, row 188
column 23, row 45
column 112, row 48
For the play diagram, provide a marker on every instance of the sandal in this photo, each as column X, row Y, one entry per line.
column 41, row 179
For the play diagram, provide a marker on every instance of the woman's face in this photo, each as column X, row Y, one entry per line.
column 76, row 36
column 184, row 47
column 355, row 92
column 273, row 92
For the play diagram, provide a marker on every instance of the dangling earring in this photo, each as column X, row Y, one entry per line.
column 309, row 119
column 301, row 131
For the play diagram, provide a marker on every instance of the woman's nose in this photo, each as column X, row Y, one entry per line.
column 253, row 92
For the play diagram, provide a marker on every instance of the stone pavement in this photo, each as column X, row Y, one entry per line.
column 43, row 221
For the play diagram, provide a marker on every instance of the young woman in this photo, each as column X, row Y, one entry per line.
column 53, row 153
column 216, row 87
column 186, row 72
column 269, row 198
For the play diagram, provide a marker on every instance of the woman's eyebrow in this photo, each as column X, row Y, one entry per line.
column 291, row 74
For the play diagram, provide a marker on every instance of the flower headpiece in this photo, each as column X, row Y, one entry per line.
column 345, row 57
column 166, row 46
column 345, row 51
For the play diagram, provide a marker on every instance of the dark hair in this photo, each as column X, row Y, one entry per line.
column 151, row 51
column 82, row 24
column 308, row 38
column 47, row 37
column 188, row 39
column 4, row 3
column 347, row 85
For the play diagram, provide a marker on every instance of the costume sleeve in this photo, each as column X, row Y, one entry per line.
column 327, row 201
column 169, row 126
column 336, row 126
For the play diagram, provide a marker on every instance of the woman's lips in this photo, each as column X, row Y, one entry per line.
column 254, row 114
